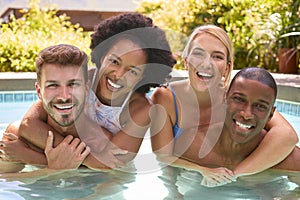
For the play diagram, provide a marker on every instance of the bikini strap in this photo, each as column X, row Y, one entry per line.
column 175, row 103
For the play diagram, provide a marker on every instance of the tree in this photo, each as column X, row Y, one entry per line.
column 248, row 23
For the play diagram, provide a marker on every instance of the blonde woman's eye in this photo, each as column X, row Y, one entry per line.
column 114, row 61
column 218, row 57
column 198, row 53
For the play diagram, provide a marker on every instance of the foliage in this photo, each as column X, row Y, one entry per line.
column 249, row 23
column 288, row 23
column 23, row 38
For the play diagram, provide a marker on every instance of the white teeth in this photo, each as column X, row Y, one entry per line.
column 113, row 84
column 62, row 107
column 206, row 75
column 244, row 126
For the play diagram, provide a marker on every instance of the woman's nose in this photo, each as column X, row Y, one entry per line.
column 120, row 72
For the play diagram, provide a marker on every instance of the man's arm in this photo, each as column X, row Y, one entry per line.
column 34, row 127
column 292, row 162
column 15, row 150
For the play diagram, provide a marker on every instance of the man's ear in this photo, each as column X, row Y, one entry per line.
column 38, row 90
column 272, row 113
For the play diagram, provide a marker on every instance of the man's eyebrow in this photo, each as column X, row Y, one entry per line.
column 72, row 80
column 242, row 94
column 51, row 81
column 238, row 93
column 263, row 101
column 76, row 80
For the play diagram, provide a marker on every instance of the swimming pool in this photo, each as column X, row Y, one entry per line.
column 151, row 181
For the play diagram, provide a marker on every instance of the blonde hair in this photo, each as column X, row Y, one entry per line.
column 222, row 36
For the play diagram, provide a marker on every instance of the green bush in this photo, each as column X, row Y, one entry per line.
column 249, row 23
column 22, row 39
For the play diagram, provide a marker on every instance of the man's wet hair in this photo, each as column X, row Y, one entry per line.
column 63, row 55
column 257, row 74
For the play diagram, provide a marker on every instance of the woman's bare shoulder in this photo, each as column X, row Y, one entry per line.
column 139, row 108
column 164, row 93
column 139, row 100
column 161, row 94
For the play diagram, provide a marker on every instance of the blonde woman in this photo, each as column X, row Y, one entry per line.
column 192, row 114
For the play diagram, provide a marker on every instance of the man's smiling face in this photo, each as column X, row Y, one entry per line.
column 62, row 90
column 250, row 106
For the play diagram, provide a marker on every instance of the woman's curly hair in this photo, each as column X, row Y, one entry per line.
column 140, row 30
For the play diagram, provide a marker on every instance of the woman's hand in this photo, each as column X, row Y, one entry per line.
column 12, row 149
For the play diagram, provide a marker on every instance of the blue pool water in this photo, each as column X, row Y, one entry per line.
column 13, row 105
column 151, row 181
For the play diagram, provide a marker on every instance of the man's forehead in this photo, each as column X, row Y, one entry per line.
column 244, row 86
column 62, row 72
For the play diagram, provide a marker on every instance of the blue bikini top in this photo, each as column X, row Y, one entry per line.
column 177, row 131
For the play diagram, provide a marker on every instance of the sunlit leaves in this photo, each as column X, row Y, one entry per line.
column 23, row 38
column 249, row 23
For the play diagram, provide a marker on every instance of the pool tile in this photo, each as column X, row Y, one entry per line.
column 18, row 97
column 287, row 107
column 35, row 96
column 278, row 106
column 8, row 98
column 28, row 97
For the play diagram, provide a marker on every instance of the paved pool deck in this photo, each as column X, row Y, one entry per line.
column 288, row 84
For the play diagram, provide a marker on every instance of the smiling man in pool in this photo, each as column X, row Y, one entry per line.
column 250, row 105
column 62, row 87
